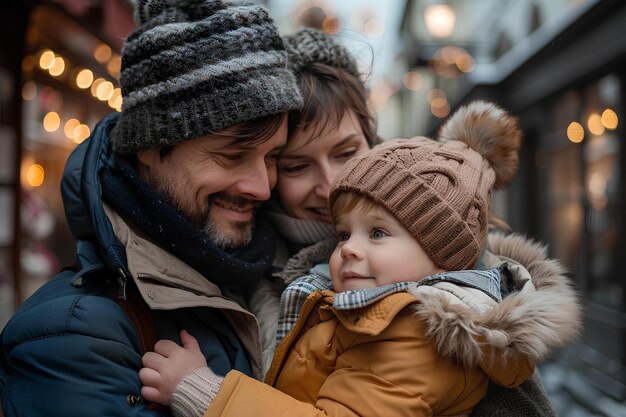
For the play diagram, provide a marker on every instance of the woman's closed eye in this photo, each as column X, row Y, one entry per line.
column 293, row 169
column 346, row 154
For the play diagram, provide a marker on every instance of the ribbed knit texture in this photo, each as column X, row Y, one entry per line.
column 310, row 46
column 195, row 393
column 441, row 192
column 527, row 400
column 193, row 67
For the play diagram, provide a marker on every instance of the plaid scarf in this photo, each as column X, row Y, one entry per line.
column 295, row 295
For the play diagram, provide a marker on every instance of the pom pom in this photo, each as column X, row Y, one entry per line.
column 311, row 46
column 176, row 10
column 492, row 132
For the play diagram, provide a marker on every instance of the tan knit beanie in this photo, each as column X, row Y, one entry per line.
column 441, row 191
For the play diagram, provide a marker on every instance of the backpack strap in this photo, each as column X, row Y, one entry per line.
column 140, row 314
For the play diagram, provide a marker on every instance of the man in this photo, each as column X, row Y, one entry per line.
column 161, row 200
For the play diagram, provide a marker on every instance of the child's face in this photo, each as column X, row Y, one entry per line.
column 307, row 167
column 373, row 250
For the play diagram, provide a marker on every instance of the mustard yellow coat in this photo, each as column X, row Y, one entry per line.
column 373, row 361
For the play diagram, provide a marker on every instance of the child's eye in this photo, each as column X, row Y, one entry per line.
column 378, row 234
column 343, row 236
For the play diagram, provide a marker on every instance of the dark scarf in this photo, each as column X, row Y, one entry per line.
column 138, row 202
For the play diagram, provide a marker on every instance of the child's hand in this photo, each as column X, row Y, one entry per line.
column 167, row 365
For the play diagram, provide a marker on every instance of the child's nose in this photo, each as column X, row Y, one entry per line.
column 351, row 249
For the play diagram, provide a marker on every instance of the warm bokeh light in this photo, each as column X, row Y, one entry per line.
column 464, row 62
column 449, row 54
column 436, row 93
column 102, row 53
column 113, row 101
column 374, row 28
column 46, row 60
column 379, row 97
column 118, row 103
column 438, row 102
column 35, row 175
column 57, row 67
column 28, row 63
column 594, row 124
column 84, row 78
column 331, row 25
column 440, row 107
column 575, row 132
column 29, row 90
column 114, row 65
column 450, row 62
column 610, row 119
column 596, row 190
column 413, row 80
column 105, row 91
column 69, row 127
column 51, row 121
column 81, row 132
column 94, row 86
column 440, row 20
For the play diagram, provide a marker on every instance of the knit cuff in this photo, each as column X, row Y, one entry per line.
column 195, row 393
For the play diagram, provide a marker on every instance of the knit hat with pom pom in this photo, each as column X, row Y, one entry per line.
column 194, row 67
column 441, row 191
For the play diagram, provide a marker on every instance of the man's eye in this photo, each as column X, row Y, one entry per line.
column 273, row 156
column 232, row 157
column 378, row 234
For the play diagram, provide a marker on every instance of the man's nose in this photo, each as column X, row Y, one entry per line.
column 255, row 182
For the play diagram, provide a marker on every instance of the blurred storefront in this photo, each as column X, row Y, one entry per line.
column 59, row 71
column 561, row 68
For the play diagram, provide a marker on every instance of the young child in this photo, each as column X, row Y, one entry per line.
column 402, row 326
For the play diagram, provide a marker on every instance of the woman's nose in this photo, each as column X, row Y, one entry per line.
column 326, row 176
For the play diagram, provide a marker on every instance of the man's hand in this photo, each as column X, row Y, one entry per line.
column 167, row 366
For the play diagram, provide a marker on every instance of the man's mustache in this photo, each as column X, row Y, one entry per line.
column 234, row 200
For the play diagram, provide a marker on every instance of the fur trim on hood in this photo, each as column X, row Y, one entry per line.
column 541, row 313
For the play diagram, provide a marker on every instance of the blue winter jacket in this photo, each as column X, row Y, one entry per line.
column 70, row 350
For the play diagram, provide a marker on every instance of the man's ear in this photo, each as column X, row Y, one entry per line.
column 148, row 157
column 147, row 160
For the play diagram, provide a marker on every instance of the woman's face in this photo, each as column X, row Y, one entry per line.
column 306, row 167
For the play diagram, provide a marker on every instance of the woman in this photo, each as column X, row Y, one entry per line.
column 334, row 125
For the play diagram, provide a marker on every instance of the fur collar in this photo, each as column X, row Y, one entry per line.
column 541, row 315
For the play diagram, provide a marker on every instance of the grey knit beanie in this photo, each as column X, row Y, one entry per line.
column 193, row 67
column 309, row 46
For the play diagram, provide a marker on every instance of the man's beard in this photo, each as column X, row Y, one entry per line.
column 238, row 235
column 241, row 233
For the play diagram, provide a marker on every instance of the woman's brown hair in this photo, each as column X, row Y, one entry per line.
column 328, row 93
